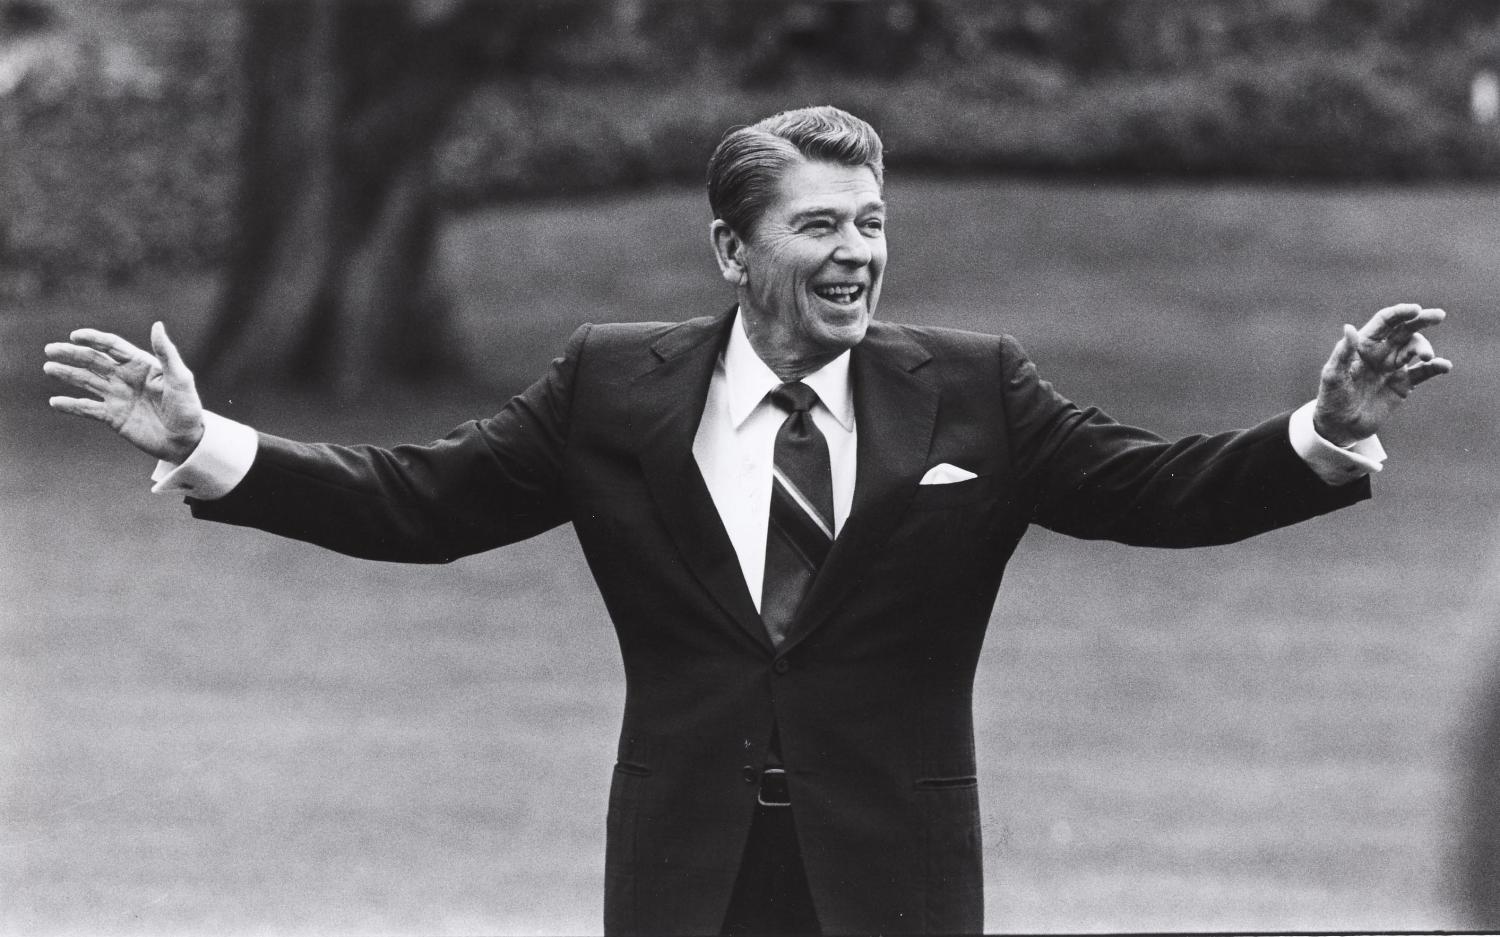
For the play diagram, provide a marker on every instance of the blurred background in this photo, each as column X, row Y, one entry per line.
column 368, row 220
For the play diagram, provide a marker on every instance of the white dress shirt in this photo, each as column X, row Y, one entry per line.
column 733, row 448
column 737, row 438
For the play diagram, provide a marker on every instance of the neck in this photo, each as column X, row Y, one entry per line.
column 785, row 361
column 792, row 373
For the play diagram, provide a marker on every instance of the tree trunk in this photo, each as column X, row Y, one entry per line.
column 331, row 282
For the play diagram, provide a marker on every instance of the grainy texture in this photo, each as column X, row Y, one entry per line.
column 205, row 729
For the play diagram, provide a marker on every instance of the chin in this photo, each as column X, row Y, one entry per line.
column 845, row 335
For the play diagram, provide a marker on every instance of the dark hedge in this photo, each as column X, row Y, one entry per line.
column 105, row 177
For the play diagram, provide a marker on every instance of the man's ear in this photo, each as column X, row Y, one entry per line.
column 729, row 249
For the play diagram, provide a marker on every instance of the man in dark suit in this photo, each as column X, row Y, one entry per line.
column 798, row 518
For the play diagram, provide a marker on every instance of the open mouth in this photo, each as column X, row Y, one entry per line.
column 842, row 294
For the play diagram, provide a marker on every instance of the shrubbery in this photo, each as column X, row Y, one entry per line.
column 103, row 180
column 111, row 167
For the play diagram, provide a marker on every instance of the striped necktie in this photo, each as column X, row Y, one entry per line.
column 801, row 525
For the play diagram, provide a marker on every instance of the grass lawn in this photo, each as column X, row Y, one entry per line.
column 207, row 730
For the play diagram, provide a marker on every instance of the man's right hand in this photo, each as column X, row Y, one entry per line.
column 149, row 399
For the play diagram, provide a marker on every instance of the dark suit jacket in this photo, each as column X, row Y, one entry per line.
column 872, row 692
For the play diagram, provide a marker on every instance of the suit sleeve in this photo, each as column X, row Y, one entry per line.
column 1090, row 476
column 486, row 484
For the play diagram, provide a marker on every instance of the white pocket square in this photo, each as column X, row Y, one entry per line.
column 945, row 474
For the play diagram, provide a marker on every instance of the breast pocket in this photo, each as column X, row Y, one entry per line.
column 953, row 494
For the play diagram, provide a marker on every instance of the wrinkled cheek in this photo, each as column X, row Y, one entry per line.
column 778, row 294
column 773, row 297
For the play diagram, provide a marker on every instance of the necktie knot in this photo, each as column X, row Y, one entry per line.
column 795, row 397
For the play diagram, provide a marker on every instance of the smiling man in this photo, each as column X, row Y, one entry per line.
column 798, row 517
column 808, row 265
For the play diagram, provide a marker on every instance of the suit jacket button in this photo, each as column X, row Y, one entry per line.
column 748, row 773
column 782, row 665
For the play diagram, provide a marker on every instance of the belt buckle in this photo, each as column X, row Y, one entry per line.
column 773, row 789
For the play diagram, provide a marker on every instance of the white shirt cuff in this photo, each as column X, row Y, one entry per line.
column 212, row 470
column 1336, row 465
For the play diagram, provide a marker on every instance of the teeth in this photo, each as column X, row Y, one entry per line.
column 842, row 292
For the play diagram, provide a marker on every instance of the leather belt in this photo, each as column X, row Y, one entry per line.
column 773, row 789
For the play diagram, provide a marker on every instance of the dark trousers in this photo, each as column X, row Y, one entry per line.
column 771, row 894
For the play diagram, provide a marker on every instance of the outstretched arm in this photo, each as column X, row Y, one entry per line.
column 1373, row 370
column 149, row 398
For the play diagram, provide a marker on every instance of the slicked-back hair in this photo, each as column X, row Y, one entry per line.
column 748, row 162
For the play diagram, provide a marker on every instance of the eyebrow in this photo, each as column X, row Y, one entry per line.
column 806, row 214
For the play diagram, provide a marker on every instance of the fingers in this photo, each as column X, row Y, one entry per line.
column 81, row 378
column 110, row 344
column 93, row 409
column 171, row 359
column 81, row 357
column 1427, row 370
column 1391, row 341
column 1417, row 348
column 1388, row 318
column 1367, row 348
column 1346, row 349
column 1401, row 320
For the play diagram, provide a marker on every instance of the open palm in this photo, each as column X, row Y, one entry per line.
column 148, row 398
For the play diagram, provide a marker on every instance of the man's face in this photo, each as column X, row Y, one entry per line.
column 812, row 269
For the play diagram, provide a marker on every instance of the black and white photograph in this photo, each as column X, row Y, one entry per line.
column 556, row 467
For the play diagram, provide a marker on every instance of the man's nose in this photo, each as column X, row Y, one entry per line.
column 853, row 248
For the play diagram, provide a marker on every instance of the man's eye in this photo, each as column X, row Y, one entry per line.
column 875, row 224
column 819, row 226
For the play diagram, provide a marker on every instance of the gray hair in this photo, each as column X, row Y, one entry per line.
column 748, row 162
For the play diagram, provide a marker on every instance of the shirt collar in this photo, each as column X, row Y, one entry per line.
column 749, row 380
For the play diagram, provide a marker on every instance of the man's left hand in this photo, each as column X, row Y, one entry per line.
column 1373, row 369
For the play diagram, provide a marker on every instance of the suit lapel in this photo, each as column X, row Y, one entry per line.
column 670, row 397
column 897, row 412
